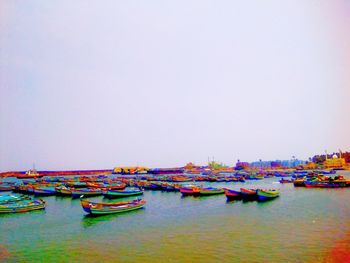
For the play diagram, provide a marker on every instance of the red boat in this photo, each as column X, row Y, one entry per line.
column 232, row 194
column 30, row 174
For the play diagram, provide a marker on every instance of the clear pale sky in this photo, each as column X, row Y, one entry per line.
column 99, row 84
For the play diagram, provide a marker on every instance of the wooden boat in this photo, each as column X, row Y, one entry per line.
column 285, row 181
column 76, row 184
column 30, row 174
column 211, row 191
column 299, row 182
column 6, row 187
column 324, row 184
column 116, row 186
column 63, row 190
column 190, row 190
column 4, row 199
column 22, row 206
column 111, row 208
column 264, row 195
column 121, row 193
column 85, row 191
column 248, row 194
column 44, row 190
column 232, row 194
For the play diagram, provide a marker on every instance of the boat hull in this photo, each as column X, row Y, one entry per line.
column 266, row 195
column 120, row 194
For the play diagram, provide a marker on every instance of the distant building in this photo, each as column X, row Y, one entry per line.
column 334, row 162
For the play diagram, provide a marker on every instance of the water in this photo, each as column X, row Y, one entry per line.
column 302, row 225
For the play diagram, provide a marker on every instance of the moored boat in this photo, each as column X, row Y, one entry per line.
column 111, row 208
column 121, row 193
column 285, row 181
column 22, row 206
column 190, row 190
column 44, row 190
column 211, row 191
column 85, row 191
column 232, row 194
column 248, row 194
column 30, row 174
column 264, row 195
column 4, row 199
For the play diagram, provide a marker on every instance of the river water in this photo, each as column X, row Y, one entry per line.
column 302, row 225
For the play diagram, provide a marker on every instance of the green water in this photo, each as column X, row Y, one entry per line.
column 302, row 225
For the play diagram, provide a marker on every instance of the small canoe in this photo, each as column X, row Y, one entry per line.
column 85, row 191
column 264, row 195
column 232, row 194
column 248, row 194
column 111, row 208
column 211, row 191
column 22, row 206
column 121, row 193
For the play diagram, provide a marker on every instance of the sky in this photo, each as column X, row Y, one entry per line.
column 99, row 84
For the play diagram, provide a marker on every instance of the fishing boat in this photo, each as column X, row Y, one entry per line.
column 44, row 190
column 85, row 191
column 111, row 208
column 211, row 191
column 299, row 182
column 22, row 206
column 232, row 194
column 285, row 181
column 121, row 193
column 64, row 190
column 6, row 187
column 30, row 174
column 248, row 194
column 190, row 190
column 4, row 199
column 264, row 195
column 324, row 184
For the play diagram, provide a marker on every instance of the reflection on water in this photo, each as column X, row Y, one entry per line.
column 90, row 220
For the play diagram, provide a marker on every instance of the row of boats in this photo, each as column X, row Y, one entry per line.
column 243, row 193
column 320, row 181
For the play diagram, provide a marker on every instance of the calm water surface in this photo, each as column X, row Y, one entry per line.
column 302, row 225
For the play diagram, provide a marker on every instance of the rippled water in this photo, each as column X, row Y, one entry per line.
column 302, row 225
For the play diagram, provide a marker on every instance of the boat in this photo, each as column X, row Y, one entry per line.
column 22, row 206
column 111, row 208
column 44, row 190
column 248, row 194
column 64, row 190
column 121, row 193
column 264, row 195
column 6, row 187
column 85, row 191
column 232, row 194
column 211, row 191
column 325, row 184
column 299, row 182
column 30, row 174
column 285, row 181
column 190, row 190
column 4, row 199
